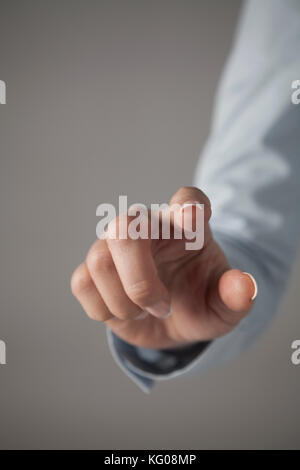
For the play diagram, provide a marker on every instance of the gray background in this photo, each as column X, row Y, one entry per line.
column 107, row 98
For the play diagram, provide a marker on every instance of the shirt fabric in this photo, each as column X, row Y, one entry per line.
column 250, row 170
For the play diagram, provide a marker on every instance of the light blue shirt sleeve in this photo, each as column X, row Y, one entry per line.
column 250, row 170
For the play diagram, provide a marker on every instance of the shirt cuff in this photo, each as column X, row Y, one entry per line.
column 145, row 366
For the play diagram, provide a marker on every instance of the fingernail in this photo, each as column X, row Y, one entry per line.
column 160, row 309
column 142, row 316
column 254, row 284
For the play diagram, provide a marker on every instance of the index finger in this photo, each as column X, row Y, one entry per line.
column 137, row 270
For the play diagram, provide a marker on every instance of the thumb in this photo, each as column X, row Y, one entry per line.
column 233, row 296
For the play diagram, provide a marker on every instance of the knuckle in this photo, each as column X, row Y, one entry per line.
column 129, row 314
column 123, row 316
column 92, row 316
column 117, row 228
column 98, row 261
column 81, row 281
column 99, row 316
column 111, row 232
column 141, row 293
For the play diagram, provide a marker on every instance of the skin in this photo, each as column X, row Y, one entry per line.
column 131, row 285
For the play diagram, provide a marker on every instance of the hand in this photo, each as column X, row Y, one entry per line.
column 156, row 294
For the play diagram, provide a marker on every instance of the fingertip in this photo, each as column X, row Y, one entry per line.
column 237, row 290
column 189, row 196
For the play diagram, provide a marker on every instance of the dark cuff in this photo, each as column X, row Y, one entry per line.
column 159, row 362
